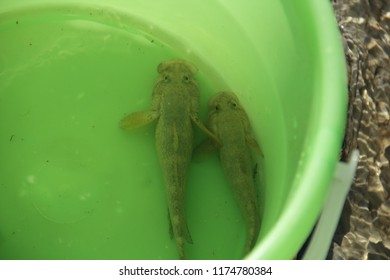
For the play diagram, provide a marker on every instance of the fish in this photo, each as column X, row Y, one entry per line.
column 175, row 106
column 229, row 122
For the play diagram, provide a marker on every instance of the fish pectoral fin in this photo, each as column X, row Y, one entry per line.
column 202, row 127
column 138, row 119
column 203, row 150
column 254, row 146
column 187, row 235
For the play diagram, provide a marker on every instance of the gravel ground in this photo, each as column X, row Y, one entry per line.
column 364, row 227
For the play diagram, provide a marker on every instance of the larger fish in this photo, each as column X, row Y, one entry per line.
column 230, row 124
column 175, row 105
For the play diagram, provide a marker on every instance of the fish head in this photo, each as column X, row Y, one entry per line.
column 224, row 102
column 176, row 72
column 224, row 110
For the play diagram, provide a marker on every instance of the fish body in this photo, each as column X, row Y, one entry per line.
column 230, row 124
column 178, row 96
column 175, row 105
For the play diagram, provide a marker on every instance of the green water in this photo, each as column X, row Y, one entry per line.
column 72, row 184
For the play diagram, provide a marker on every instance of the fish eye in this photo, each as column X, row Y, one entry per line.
column 186, row 78
column 233, row 105
column 166, row 78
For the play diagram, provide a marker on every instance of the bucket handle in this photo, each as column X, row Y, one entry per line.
column 326, row 226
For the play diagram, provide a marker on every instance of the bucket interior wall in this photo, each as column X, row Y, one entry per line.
column 74, row 186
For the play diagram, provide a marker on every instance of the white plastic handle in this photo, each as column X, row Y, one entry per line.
column 326, row 226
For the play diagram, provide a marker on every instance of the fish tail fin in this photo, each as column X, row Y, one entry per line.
column 251, row 239
column 185, row 238
column 180, row 242
column 253, row 229
column 180, row 247
column 181, row 234
column 186, row 232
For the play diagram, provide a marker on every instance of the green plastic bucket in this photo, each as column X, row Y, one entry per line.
column 75, row 186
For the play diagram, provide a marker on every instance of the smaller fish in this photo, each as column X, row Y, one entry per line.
column 230, row 124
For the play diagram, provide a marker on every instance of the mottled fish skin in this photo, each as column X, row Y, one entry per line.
column 175, row 103
column 229, row 122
